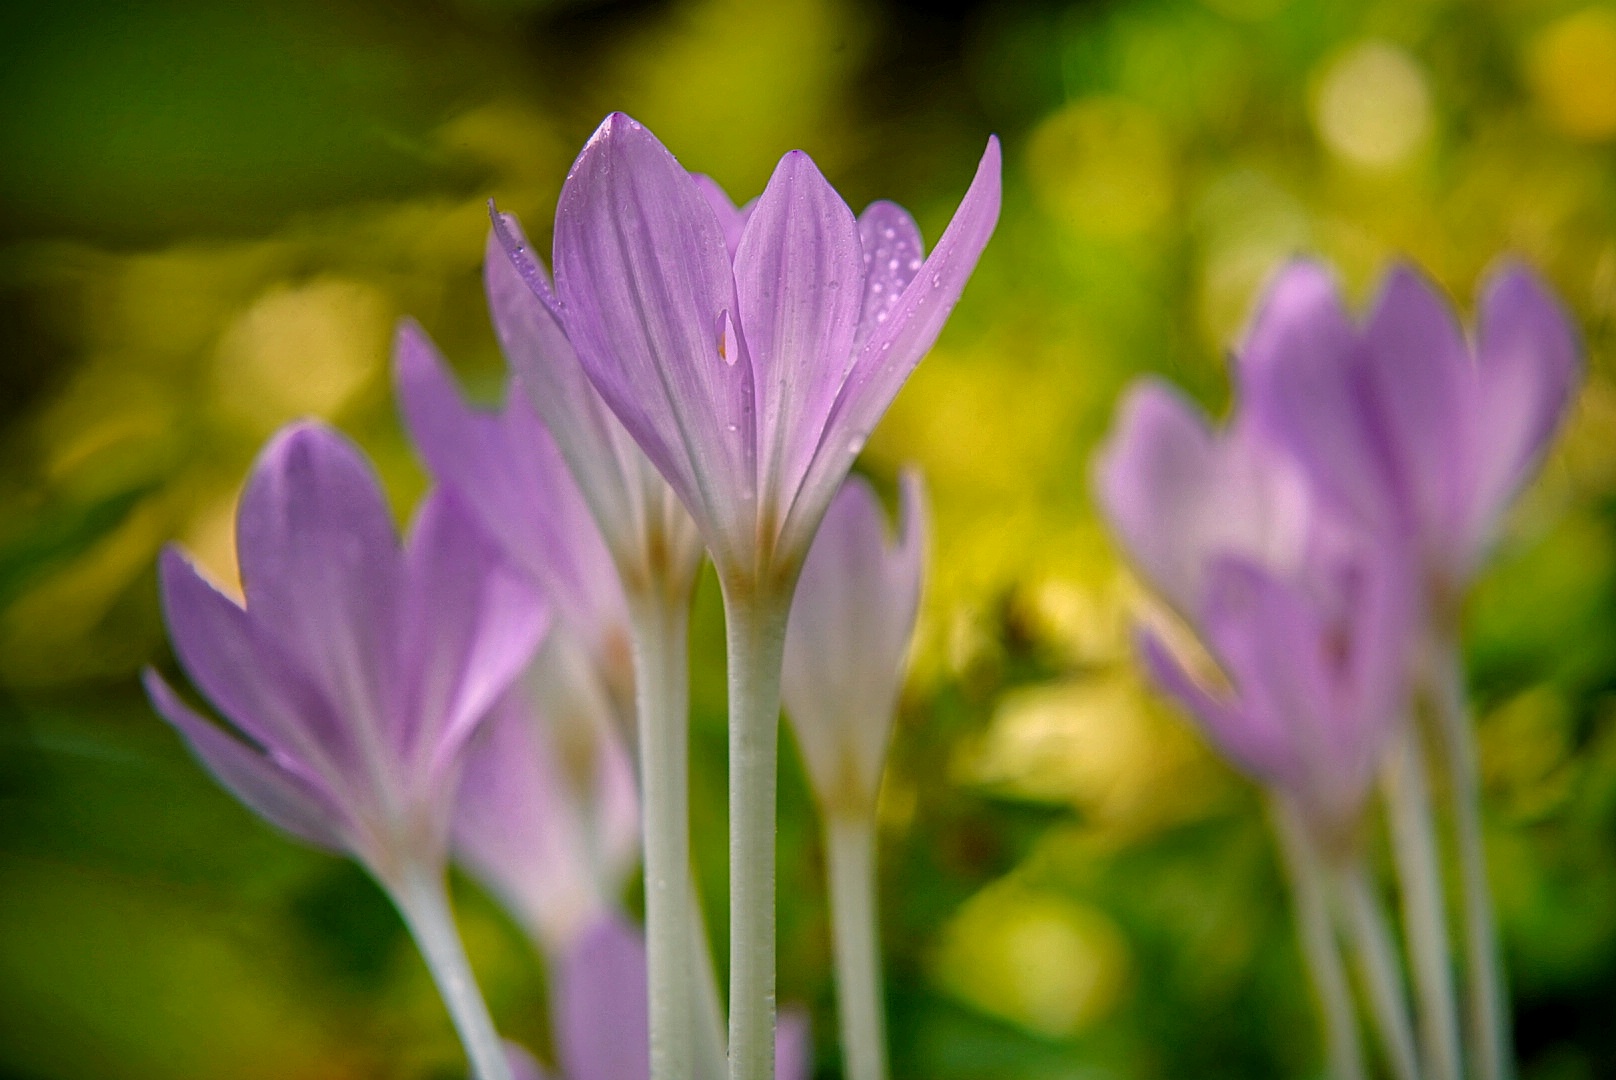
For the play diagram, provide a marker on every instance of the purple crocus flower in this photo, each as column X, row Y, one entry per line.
column 750, row 353
column 1404, row 422
column 848, row 640
column 1308, row 622
column 358, row 670
column 355, row 677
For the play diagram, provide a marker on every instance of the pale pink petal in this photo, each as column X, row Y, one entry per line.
column 891, row 352
column 648, row 301
column 893, row 254
column 793, row 1045
column 731, row 219
column 601, row 1017
column 799, row 277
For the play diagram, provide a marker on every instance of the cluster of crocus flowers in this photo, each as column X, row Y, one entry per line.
column 509, row 686
column 1318, row 548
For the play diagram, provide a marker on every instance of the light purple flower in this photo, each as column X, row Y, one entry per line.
column 548, row 814
column 650, row 535
column 1402, row 421
column 848, row 637
column 751, row 377
column 1309, row 622
column 359, row 668
column 598, row 1009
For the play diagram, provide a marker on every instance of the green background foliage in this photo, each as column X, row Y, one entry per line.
column 212, row 214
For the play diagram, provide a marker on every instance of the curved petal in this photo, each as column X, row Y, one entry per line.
column 648, row 302
column 1224, row 722
column 891, row 353
column 275, row 795
column 893, row 253
column 320, row 564
column 600, row 453
column 1529, row 364
column 601, row 1016
column 1419, row 397
column 249, row 678
column 799, row 279
column 471, row 623
column 1302, row 375
column 508, row 470
column 1179, row 495
column 731, row 219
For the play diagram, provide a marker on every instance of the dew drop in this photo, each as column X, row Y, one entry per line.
column 914, row 264
column 937, row 281
column 855, row 444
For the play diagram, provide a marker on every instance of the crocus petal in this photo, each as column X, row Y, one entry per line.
column 891, row 352
column 602, row 1020
column 1177, row 495
column 249, row 677
column 793, row 1045
column 1417, row 395
column 470, row 625
column 517, row 831
column 847, row 640
column 799, row 278
column 272, row 793
column 1257, row 752
column 731, row 219
column 1529, row 362
column 1300, row 378
column 508, row 470
column 644, row 281
column 893, row 253
column 319, row 565
column 597, row 449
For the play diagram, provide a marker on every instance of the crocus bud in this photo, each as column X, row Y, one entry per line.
column 848, row 639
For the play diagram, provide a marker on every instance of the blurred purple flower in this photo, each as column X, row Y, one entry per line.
column 548, row 814
column 359, row 669
column 598, row 1009
column 1402, row 421
column 751, row 352
column 1309, row 623
column 848, row 640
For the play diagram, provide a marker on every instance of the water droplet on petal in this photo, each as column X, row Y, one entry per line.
column 937, row 281
column 855, row 444
column 914, row 264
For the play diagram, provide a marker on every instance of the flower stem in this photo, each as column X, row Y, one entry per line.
column 422, row 897
column 712, row 1051
column 1377, row 960
column 1425, row 924
column 755, row 631
column 850, row 859
column 1489, row 1033
column 660, row 627
column 1317, row 938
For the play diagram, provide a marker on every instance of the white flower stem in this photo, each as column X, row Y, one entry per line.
column 755, row 631
column 422, row 897
column 1489, row 1032
column 1379, row 968
column 712, row 1049
column 660, row 627
column 1316, row 935
column 1425, row 924
column 860, row 1006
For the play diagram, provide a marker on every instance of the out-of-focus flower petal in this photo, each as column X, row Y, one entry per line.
column 793, row 1045
column 891, row 352
column 249, row 677
column 799, row 279
column 516, row 829
column 848, row 638
column 508, row 470
column 320, row 565
column 283, row 800
column 1177, row 495
column 602, row 1022
column 731, row 219
column 523, row 1064
column 893, row 254
column 644, row 280
column 471, row 622
column 1529, row 363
